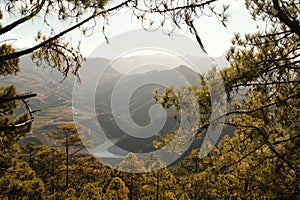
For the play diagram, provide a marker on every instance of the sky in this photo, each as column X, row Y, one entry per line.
column 215, row 36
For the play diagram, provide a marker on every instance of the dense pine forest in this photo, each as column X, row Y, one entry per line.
column 246, row 147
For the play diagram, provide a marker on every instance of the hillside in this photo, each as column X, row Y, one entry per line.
column 55, row 102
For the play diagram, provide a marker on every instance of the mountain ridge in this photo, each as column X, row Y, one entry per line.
column 55, row 102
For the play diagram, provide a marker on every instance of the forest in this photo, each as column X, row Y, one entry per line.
column 45, row 155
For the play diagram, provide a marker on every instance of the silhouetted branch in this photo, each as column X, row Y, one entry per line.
column 18, row 97
column 30, row 50
column 23, row 19
column 293, row 25
column 23, row 99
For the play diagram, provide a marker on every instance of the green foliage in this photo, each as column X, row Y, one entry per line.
column 86, row 173
column 262, row 83
column 8, row 106
column 116, row 190
column 159, row 180
column 48, row 163
column 69, row 138
column 20, row 182
column 91, row 191
column 70, row 194
column 8, row 67
column 12, row 126
column 265, row 65
column 88, row 169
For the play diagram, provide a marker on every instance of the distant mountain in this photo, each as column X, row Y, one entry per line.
column 55, row 99
column 206, row 63
column 199, row 64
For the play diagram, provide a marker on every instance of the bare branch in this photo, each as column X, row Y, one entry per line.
column 30, row 50
column 22, row 20
column 192, row 6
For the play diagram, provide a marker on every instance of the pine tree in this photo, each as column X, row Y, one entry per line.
column 12, row 127
column 91, row 191
column 131, row 171
column 158, row 180
column 88, row 169
column 117, row 190
column 261, row 160
column 20, row 182
column 48, row 163
column 72, row 142
column 69, row 194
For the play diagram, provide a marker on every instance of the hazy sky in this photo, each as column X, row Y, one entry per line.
column 215, row 37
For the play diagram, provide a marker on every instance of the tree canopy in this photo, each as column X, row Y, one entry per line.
column 261, row 160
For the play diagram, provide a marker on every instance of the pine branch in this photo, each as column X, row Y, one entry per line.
column 18, row 97
column 23, row 19
column 23, row 99
column 30, row 50
column 293, row 25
